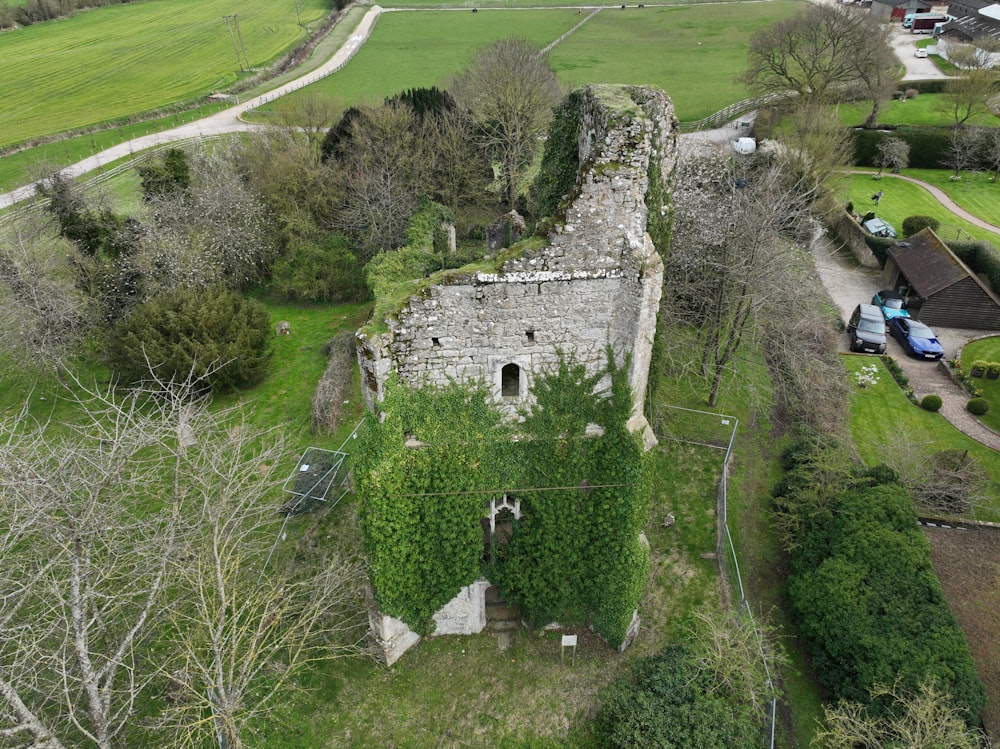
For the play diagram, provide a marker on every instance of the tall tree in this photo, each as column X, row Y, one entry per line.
column 510, row 91
column 964, row 96
column 44, row 317
column 382, row 174
column 732, row 262
column 822, row 53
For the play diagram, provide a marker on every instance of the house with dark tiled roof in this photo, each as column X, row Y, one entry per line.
column 939, row 288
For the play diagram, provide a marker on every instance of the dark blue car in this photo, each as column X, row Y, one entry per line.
column 916, row 338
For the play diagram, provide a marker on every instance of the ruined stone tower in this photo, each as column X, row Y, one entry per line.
column 596, row 285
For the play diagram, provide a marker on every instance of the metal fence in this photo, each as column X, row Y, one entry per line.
column 718, row 432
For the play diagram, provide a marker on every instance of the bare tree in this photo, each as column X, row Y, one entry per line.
column 823, row 53
column 43, row 315
column 965, row 97
column 215, row 233
column 991, row 151
column 510, row 91
column 964, row 145
column 85, row 579
column 926, row 719
column 893, row 154
column 732, row 261
column 382, row 174
column 943, row 481
column 133, row 549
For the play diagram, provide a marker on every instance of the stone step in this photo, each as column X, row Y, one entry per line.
column 506, row 625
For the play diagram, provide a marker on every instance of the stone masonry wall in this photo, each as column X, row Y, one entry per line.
column 596, row 284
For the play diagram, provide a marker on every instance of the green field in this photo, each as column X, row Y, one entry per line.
column 123, row 60
column 693, row 53
column 923, row 110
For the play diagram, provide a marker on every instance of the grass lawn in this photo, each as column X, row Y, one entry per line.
column 976, row 192
column 745, row 393
column 638, row 46
column 882, row 412
column 122, row 60
column 903, row 199
column 925, row 109
column 985, row 349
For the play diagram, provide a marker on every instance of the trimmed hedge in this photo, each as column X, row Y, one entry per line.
column 862, row 589
column 977, row 406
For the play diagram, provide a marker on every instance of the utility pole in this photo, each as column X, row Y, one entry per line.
column 232, row 36
column 242, row 46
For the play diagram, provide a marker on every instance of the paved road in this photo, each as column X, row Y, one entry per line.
column 917, row 68
column 226, row 121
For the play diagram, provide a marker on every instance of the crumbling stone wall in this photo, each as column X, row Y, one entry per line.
column 596, row 284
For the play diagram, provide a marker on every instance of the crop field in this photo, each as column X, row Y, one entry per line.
column 121, row 60
column 637, row 45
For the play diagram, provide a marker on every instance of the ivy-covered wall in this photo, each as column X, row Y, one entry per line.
column 428, row 468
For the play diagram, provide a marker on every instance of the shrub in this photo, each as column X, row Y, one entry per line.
column 993, row 369
column 911, row 93
column 214, row 335
column 931, row 402
column 913, row 224
column 668, row 701
column 326, row 273
column 977, row 406
column 978, row 368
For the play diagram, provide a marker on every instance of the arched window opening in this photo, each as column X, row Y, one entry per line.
column 510, row 381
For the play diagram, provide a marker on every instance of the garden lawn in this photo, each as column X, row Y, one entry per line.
column 902, row 199
column 880, row 413
column 985, row 349
column 924, row 110
column 976, row 192
column 122, row 60
column 694, row 53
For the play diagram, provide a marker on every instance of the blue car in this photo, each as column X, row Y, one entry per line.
column 890, row 303
column 916, row 338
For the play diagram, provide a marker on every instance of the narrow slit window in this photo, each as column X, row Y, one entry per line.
column 530, row 335
column 436, row 342
column 510, row 381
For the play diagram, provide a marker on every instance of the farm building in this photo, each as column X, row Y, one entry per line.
column 894, row 10
column 940, row 288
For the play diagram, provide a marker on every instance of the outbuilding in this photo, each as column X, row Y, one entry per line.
column 939, row 288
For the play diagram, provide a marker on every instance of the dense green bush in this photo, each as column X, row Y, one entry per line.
column 869, row 606
column 667, row 701
column 931, row 402
column 977, row 406
column 212, row 334
column 325, row 273
column 913, row 224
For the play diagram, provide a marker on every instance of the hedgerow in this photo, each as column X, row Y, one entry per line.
column 863, row 590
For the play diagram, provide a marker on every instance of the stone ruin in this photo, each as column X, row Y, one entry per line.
column 595, row 286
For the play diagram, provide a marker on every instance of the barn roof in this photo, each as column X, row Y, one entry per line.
column 927, row 263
